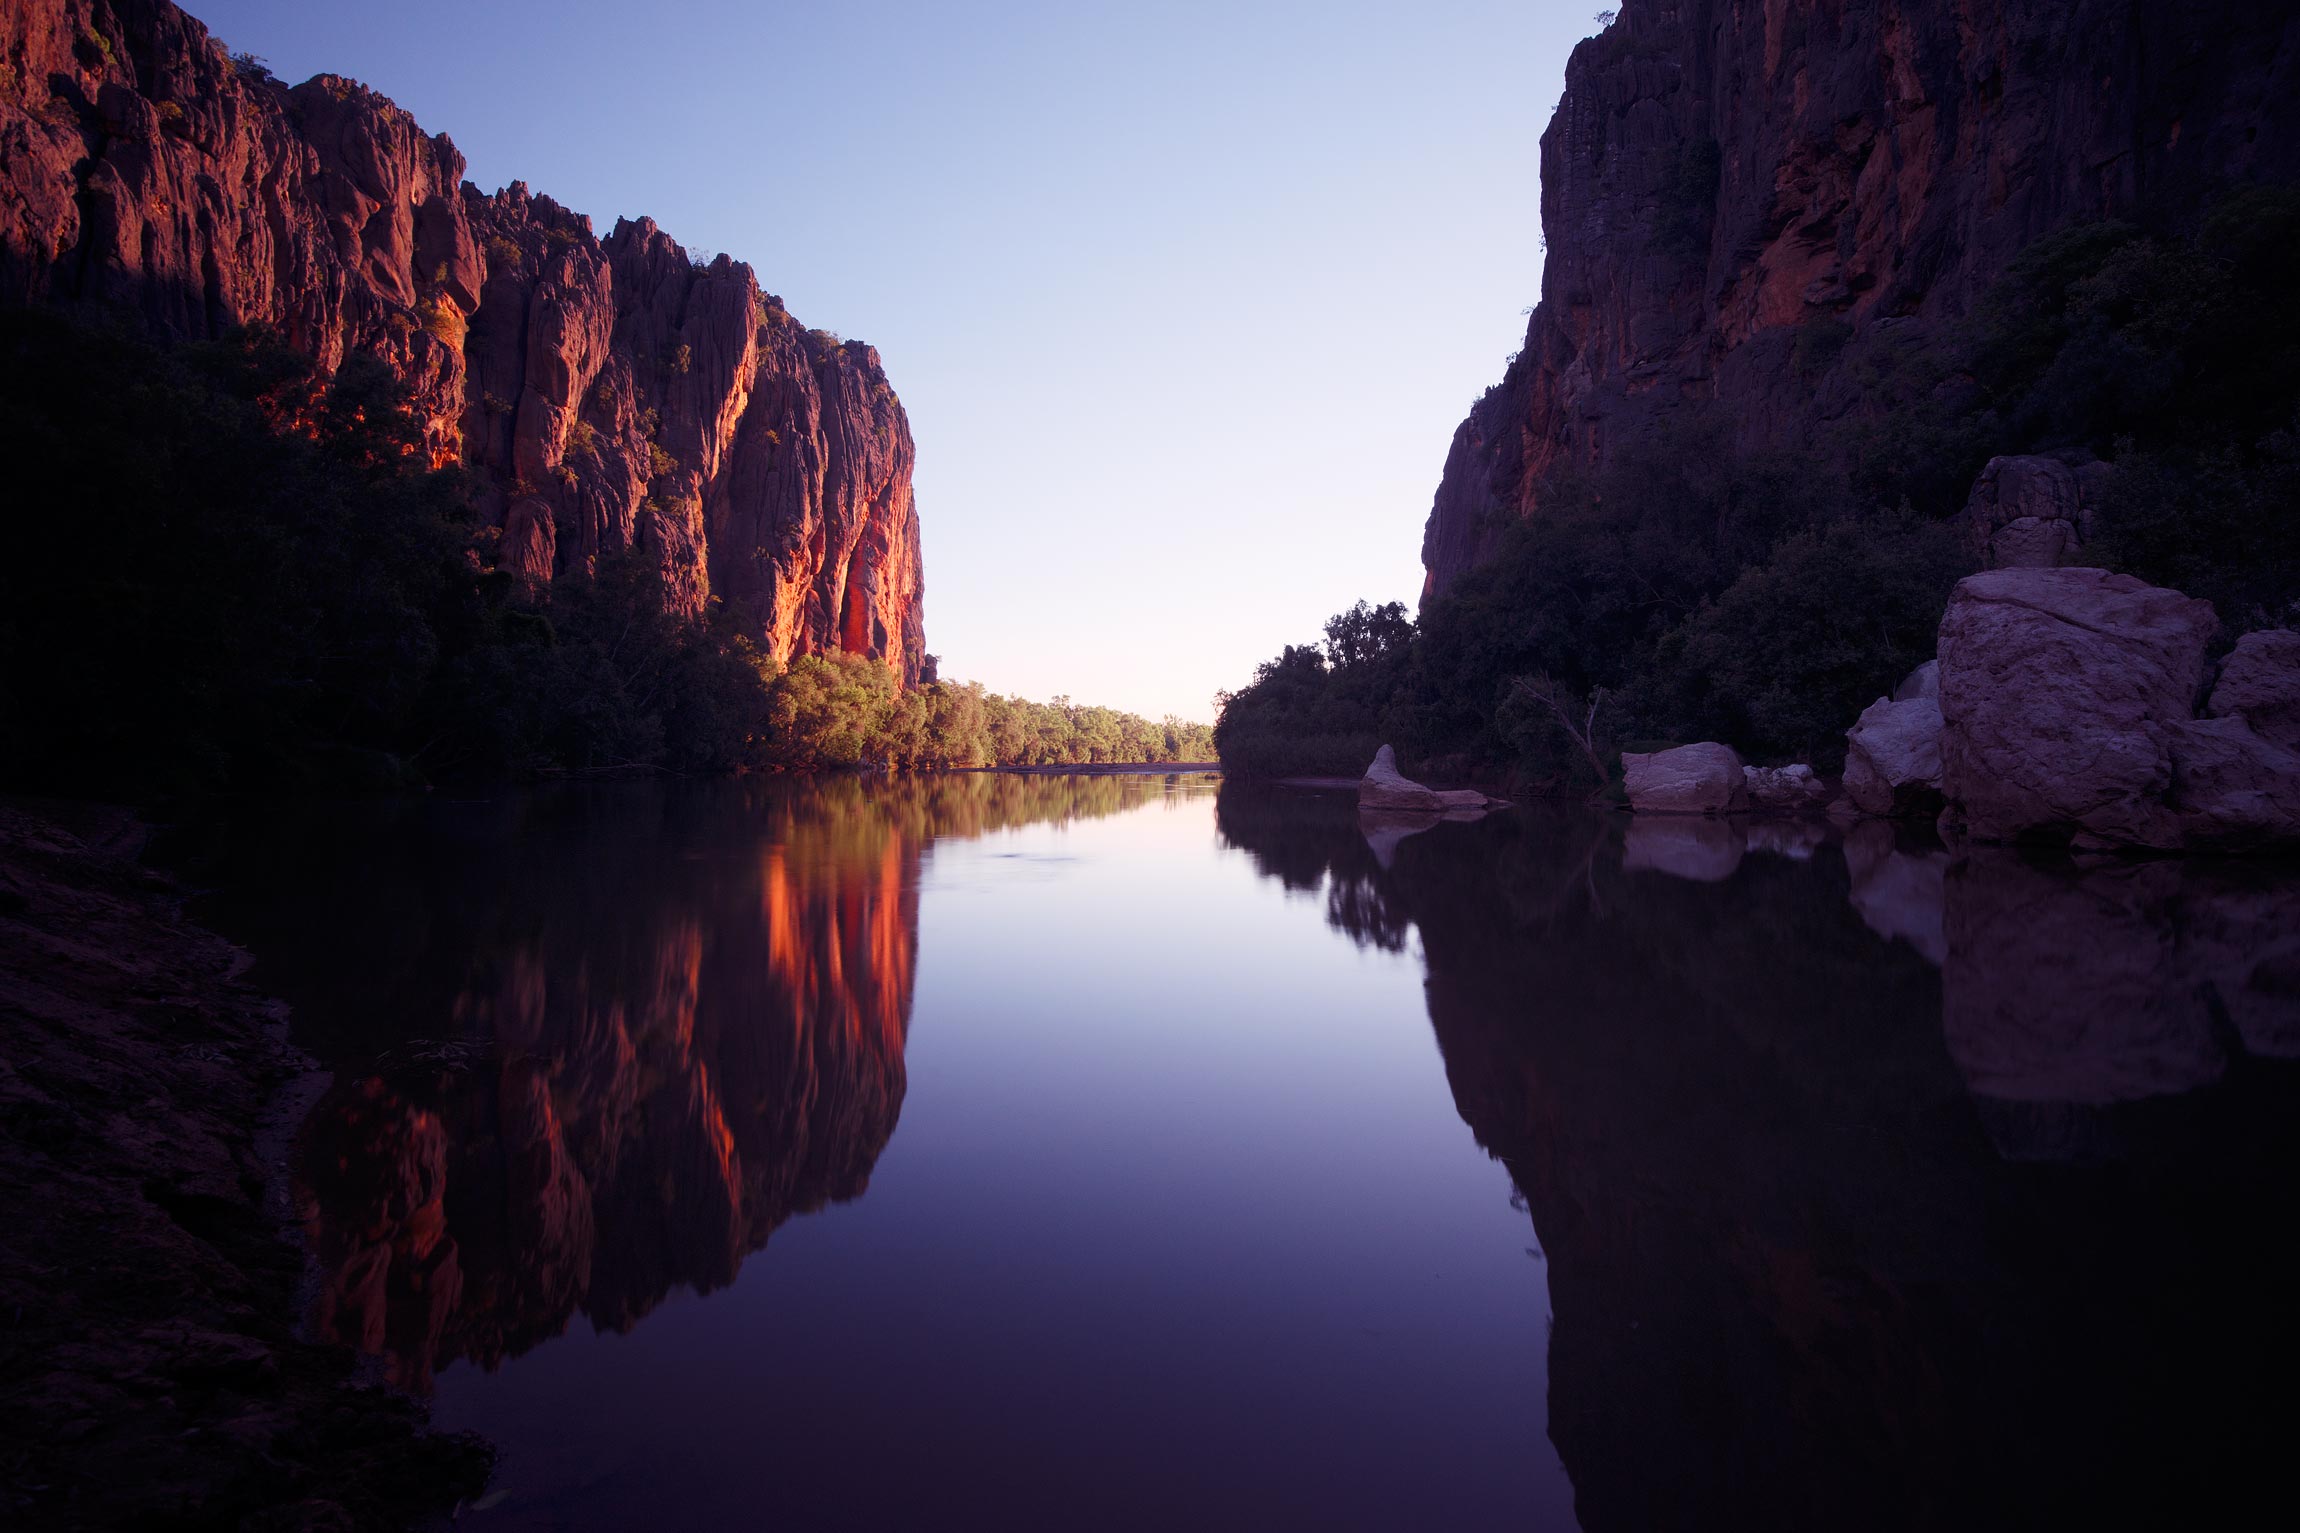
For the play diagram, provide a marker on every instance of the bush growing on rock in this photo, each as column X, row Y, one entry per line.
column 1782, row 657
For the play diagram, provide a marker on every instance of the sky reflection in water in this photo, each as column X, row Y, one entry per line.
column 1177, row 1212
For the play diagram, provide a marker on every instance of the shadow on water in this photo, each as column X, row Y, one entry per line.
column 591, row 1046
column 1877, row 1188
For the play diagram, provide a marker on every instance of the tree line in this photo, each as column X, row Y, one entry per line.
column 228, row 570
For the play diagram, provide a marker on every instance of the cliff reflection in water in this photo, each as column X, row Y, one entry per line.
column 1837, row 1238
column 614, row 1045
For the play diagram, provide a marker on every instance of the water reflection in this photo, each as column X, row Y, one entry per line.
column 1874, row 1187
column 620, row 1037
column 1839, row 1238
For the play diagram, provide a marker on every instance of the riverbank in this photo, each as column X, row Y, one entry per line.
column 1108, row 768
column 149, row 1295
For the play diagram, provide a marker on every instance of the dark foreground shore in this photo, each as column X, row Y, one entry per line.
column 150, row 1371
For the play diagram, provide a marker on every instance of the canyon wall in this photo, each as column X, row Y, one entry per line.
column 1725, row 177
column 611, row 394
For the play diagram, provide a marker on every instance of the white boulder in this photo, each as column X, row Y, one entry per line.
column 2059, row 692
column 2260, row 684
column 1386, row 789
column 1893, row 757
column 1689, row 779
column 2232, row 788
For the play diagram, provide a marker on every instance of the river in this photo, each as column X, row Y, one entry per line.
column 1000, row 1151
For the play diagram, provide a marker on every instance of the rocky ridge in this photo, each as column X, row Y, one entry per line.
column 1735, row 194
column 613, row 394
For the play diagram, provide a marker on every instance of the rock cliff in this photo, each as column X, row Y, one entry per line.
column 613, row 394
column 1733, row 190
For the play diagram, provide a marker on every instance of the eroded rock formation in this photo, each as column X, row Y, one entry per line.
column 615, row 394
column 1732, row 192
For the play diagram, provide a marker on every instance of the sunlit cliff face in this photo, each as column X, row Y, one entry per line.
column 651, row 1105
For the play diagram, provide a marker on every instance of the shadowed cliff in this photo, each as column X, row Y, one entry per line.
column 1738, row 200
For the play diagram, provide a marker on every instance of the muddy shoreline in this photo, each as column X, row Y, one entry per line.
column 151, row 1374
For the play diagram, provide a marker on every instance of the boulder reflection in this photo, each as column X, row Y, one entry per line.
column 1836, row 1238
column 622, row 1051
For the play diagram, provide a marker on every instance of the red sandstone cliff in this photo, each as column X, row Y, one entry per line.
column 613, row 393
column 1722, row 173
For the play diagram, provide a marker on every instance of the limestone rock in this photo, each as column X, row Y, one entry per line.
column 2233, row 789
column 609, row 393
column 1924, row 681
column 1385, row 789
column 2025, row 513
column 1893, row 757
column 2059, row 690
column 1785, row 788
column 1707, row 778
column 2260, row 684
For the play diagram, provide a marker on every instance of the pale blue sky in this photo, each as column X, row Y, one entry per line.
column 1184, row 299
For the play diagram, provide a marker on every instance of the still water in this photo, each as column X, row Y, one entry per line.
column 1019, row 1152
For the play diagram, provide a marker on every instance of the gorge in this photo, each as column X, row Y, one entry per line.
column 529, row 999
column 1840, row 304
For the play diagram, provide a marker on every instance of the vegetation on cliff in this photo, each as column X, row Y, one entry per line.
column 228, row 569
column 1763, row 598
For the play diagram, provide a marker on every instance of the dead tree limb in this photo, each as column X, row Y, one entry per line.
column 1551, row 696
